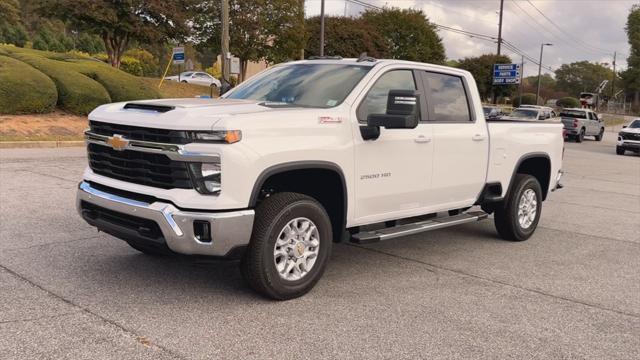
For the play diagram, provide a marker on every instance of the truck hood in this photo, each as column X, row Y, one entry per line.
column 176, row 114
column 631, row 130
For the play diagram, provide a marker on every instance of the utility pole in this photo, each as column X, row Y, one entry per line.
column 500, row 27
column 225, row 41
column 302, row 25
column 495, row 95
column 613, row 81
column 322, row 28
column 540, row 70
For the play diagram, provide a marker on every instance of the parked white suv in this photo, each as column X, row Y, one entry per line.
column 307, row 153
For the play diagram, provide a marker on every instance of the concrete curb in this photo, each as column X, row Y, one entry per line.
column 40, row 144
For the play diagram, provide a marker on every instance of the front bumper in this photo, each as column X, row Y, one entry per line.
column 229, row 230
column 628, row 144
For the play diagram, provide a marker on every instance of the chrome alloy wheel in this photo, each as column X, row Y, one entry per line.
column 296, row 249
column 527, row 208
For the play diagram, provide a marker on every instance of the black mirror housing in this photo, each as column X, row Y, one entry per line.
column 403, row 109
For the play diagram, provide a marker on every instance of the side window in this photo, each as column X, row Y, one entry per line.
column 448, row 98
column 376, row 100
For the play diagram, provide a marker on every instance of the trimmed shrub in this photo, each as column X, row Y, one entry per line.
column 77, row 93
column 131, row 66
column 150, row 65
column 24, row 90
column 527, row 99
column 83, row 83
column 568, row 102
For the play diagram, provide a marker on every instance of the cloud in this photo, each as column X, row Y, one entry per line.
column 588, row 30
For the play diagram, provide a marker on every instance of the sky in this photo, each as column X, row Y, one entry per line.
column 584, row 29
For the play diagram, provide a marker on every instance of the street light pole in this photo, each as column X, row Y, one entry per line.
column 322, row 28
column 540, row 70
column 225, row 42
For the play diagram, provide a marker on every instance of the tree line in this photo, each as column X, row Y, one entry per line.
column 276, row 31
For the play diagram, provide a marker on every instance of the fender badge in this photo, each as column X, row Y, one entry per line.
column 117, row 142
column 329, row 120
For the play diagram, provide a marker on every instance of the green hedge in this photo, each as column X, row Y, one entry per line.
column 83, row 83
column 568, row 102
column 527, row 99
column 24, row 90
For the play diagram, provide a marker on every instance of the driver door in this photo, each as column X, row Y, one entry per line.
column 392, row 172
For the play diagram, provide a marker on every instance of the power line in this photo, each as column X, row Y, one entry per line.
column 471, row 34
column 568, row 33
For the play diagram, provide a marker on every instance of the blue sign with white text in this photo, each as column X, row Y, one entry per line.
column 506, row 74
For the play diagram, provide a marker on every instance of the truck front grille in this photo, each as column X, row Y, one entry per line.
column 140, row 133
column 630, row 136
column 138, row 167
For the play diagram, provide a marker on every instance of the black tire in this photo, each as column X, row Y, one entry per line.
column 258, row 265
column 620, row 150
column 580, row 136
column 184, row 81
column 506, row 216
column 600, row 135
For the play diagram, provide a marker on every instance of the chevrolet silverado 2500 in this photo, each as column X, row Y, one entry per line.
column 308, row 153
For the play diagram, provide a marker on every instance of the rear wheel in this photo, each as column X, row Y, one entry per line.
column 289, row 247
column 580, row 136
column 619, row 150
column 518, row 217
column 600, row 135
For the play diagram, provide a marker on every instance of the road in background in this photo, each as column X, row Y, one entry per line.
column 571, row 291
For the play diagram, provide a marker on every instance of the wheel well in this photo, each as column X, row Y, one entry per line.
column 327, row 186
column 540, row 168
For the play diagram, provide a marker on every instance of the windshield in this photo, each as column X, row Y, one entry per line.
column 527, row 114
column 306, row 85
column 574, row 114
column 635, row 124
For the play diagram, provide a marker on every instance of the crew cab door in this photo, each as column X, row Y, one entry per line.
column 460, row 140
column 392, row 172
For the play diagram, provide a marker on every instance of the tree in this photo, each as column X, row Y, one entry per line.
column 409, row 34
column 631, row 77
column 481, row 67
column 346, row 37
column 270, row 30
column 120, row 22
column 582, row 76
column 11, row 29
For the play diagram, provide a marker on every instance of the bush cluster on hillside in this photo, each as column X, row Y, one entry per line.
column 568, row 102
column 23, row 89
column 527, row 99
column 82, row 83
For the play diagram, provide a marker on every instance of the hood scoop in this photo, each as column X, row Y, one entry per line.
column 149, row 107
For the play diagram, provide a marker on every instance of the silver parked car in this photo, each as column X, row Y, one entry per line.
column 579, row 123
column 196, row 77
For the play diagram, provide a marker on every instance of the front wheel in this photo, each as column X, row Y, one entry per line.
column 289, row 248
column 518, row 217
column 600, row 135
column 619, row 150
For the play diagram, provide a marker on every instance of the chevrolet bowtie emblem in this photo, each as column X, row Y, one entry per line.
column 117, row 142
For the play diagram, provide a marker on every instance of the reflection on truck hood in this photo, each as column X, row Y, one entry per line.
column 178, row 114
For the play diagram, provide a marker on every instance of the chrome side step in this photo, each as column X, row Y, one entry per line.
column 368, row 237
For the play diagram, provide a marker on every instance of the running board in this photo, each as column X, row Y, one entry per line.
column 368, row 237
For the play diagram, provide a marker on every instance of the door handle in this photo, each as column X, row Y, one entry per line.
column 422, row 139
column 478, row 137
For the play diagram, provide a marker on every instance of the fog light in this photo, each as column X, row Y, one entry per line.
column 202, row 231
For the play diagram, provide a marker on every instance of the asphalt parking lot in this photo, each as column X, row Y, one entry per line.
column 571, row 291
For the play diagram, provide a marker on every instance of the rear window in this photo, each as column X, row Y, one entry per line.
column 448, row 98
column 574, row 114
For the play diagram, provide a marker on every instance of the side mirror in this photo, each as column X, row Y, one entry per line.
column 624, row 126
column 403, row 108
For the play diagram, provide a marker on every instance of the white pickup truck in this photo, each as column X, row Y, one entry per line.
column 308, row 153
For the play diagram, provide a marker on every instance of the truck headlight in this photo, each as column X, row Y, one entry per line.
column 206, row 177
column 218, row 136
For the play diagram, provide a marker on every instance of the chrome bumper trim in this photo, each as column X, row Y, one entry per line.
column 173, row 151
column 228, row 229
